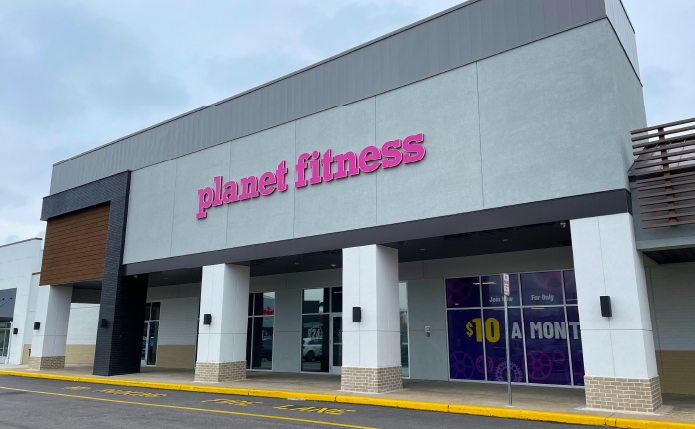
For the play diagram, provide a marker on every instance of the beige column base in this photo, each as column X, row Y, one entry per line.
column 46, row 362
column 623, row 394
column 371, row 380
column 218, row 372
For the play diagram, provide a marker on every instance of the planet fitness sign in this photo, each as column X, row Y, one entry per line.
column 321, row 169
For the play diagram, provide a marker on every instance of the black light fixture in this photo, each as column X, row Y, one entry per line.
column 606, row 310
column 207, row 319
column 15, row 331
column 37, row 325
column 357, row 314
column 104, row 323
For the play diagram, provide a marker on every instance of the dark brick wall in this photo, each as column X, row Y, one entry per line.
column 119, row 344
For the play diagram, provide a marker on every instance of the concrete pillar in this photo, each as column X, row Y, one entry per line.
column 52, row 313
column 619, row 359
column 371, row 348
column 222, row 344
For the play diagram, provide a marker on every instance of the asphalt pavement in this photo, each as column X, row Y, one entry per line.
column 29, row 403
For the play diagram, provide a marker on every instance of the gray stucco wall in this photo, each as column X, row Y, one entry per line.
column 543, row 121
column 458, row 36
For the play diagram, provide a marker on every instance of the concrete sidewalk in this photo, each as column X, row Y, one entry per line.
column 677, row 408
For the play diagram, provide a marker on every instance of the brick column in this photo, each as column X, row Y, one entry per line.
column 619, row 358
column 371, row 348
column 52, row 313
column 222, row 344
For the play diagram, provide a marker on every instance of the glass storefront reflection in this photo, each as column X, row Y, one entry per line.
column 545, row 336
column 546, row 345
column 315, row 337
column 259, row 333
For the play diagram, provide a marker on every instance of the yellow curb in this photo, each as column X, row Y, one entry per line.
column 396, row 403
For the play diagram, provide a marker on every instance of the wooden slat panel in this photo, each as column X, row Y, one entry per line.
column 667, row 169
column 657, row 225
column 660, row 142
column 669, row 216
column 666, row 185
column 667, row 200
column 663, row 209
column 667, row 162
column 668, row 154
column 671, row 192
column 672, row 176
column 75, row 246
column 663, row 133
column 656, row 127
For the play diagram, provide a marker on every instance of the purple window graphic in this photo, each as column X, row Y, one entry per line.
column 492, row 291
column 547, row 356
column 466, row 359
column 570, row 287
column 496, row 349
column 463, row 292
column 575, row 334
column 544, row 288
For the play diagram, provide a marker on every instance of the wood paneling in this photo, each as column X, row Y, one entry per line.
column 171, row 356
column 656, row 162
column 676, row 371
column 75, row 246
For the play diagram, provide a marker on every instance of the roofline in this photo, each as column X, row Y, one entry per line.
column 21, row 241
column 309, row 67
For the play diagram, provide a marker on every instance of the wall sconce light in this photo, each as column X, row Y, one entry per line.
column 207, row 319
column 357, row 314
column 37, row 325
column 104, row 323
column 606, row 310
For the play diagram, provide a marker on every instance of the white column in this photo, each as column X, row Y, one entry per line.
column 371, row 348
column 222, row 344
column 619, row 359
column 53, row 314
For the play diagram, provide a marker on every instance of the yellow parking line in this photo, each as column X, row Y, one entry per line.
column 188, row 408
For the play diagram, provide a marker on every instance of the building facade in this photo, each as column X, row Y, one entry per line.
column 356, row 218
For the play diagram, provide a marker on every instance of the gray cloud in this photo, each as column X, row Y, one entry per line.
column 78, row 74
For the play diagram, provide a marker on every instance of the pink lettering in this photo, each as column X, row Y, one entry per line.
column 391, row 156
column 217, row 201
column 204, row 203
column 351, row 160
column 315, row 170
column 301, row 169
column 249, row 188
column 414, row 152
column 280, row 174
column 326, row 164
column 267, row 183
column 230, row 192
column 369, row 154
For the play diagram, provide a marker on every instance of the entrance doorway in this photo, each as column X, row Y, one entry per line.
column 322, row 330
column 5, row 328
column 149, row 334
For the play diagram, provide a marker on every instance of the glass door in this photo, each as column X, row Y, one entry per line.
column 5, row 328
column 336, row 343
column 149, row 334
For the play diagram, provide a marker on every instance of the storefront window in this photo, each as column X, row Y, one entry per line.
column 463, row 292
column 545, row 337
column 544, row 288
column 4, row 338
column 322, row 326
column 546, row 345
column 259, row 331
column 403, row 305
column 150, row 334
column 466, row 352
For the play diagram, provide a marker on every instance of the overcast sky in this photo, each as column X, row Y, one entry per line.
column 78, row 74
